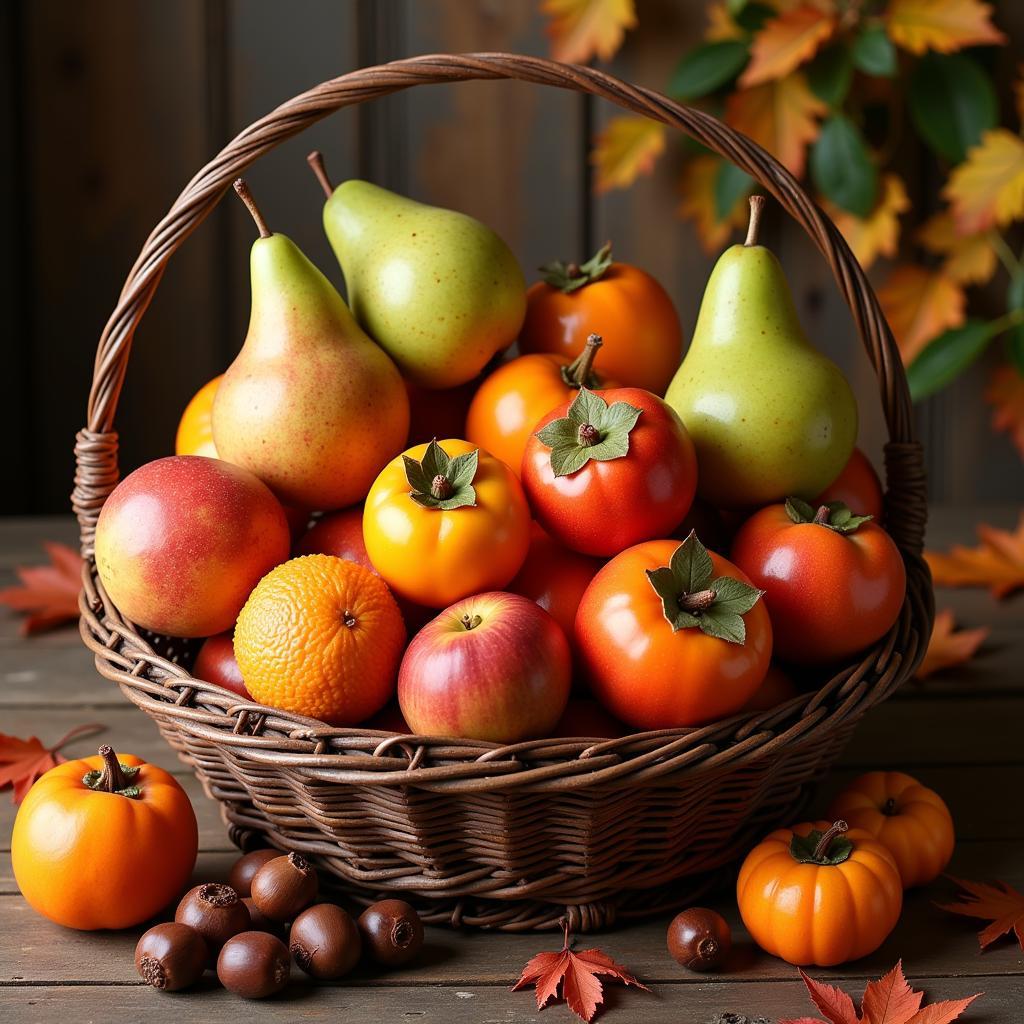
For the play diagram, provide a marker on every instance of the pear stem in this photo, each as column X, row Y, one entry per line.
column 578, row 371
column 316, row 161
column 246, row 196
column 757, row 203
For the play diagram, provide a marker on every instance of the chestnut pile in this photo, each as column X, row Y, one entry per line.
column 251, row 928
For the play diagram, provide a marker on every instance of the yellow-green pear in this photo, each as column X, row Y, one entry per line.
column 440, row 292
column 770, row 416
column 311, row 405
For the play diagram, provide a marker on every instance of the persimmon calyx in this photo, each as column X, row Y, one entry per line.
column 692, row 597
column 439, row 481
column 570, row 277
column 113, row 777
column 834, row 515
column 580, row 372
column 590, row 429
column 824, row 848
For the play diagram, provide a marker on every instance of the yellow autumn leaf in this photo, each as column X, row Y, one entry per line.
column 878, row 234
column 786, row 42
column 949, row 646
column 920, row 304
column 1006, row 396
column 782, row 116
column 941, row 25
column 720, row 23
column 698, row 203
column 579, row 29
column 626, row 148
column 970, row 259
column 987, row 189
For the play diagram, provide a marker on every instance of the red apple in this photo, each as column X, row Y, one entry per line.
column 182, row 541
column 215, row 663
column 491, row 667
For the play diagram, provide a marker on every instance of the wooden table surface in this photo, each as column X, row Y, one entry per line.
column 961, row 733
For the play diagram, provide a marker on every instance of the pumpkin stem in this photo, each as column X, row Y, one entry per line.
column 821, row 850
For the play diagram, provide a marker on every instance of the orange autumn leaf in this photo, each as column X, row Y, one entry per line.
column 1006, row 396
column 949, row 646
column 698, row 203
column 23, row 761
column 720, row 23
column 987, row 189
column 1000, row 903
column 581, row 29
column 920, row 304
column 627, row 148
column 48, row 594
column 877, row 234
column 781, row 115
column 970, row 259
column 997, row 562
column 941, row 25
column 786, row 41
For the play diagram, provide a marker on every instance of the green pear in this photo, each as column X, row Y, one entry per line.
column 311, row 405
column 770, row 416
column 440, row 292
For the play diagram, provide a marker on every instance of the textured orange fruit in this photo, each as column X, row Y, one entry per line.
column 321, row 637
column 195, row 430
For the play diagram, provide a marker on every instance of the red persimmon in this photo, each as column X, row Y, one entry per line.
column 857, row 486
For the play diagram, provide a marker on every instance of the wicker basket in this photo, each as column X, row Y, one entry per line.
column 509, row 837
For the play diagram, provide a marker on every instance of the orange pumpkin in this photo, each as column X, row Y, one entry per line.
column 819, row 894
column 104, row 842
column 910, row 820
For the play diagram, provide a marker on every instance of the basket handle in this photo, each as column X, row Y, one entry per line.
column 96, row 446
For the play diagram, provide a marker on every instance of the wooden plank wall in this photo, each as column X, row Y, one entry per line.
column 109, row 106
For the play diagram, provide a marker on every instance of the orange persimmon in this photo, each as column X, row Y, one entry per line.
column 195, row 429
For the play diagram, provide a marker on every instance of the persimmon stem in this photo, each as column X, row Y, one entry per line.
column 698, row 601
column 588, row 435
column 821, row 850
column 441, row 487
column 112, row 779
column 316, row 161
column 757, row 203
column 821, row 516
column 578, row 372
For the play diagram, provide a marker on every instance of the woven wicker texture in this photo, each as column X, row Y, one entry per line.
column 509, row 837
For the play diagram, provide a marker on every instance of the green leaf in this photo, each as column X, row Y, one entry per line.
column 830, row 73
column 733, row 595
column 568, row 277
column 417, row 478
column 874, row 53
column 799, row 510
column 723, row 625
column 841, row 166
column 437, row 464
column 952, row 102
column 803, row 849
column 839, row 517
column 435, row 461
column 666, row 586
column 944, row 358
column 691, row 565
column 462, row 469
column 707, row 68
column 730, row 184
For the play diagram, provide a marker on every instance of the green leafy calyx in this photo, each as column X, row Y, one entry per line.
column 113, row 777
column 692, row 598
column 834, row 515
column 590, row 429
column 439, row 481
column 825, row 848
column 569, row 277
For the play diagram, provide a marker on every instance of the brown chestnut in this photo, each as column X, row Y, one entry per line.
column 699, row 939
column 254, row 965
column 246, row 866
column 170, row 956
column 392, row 932
column 215, row 911
column 284, row 887
column 325, row 942
column 260, row 923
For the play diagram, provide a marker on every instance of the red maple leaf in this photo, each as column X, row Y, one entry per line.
column 1000, row 903
column 49, row 593
column 23, row 761
column 578, row 975
column 890, row 1000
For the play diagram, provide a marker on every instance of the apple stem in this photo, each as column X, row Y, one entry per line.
column 316, row 161
column 757, row 203
column 826, row 840
column 246, row 196
column 471, row 621
column 577, row 373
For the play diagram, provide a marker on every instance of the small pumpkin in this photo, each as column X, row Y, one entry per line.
column 819, row 894
column 104, row 842
column 910, row 820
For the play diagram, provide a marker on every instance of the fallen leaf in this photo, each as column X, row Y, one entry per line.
column 698, row 203
column 720, row 23
column 785, row 42
column 23, row 761
column 949, row 646
column 49, row 593
column 781, row 115
column 878, row 234
column 997, row 562
column 987, row 189
column 578, row 974
column 625, row 149
column 920, row 304
column 890, row 1000
column 1005, row 394
column 941, row 25
column 1000, row 903
column 970, row 259
column 579, row 29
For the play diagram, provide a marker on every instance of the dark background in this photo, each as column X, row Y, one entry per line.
column 110, row 106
